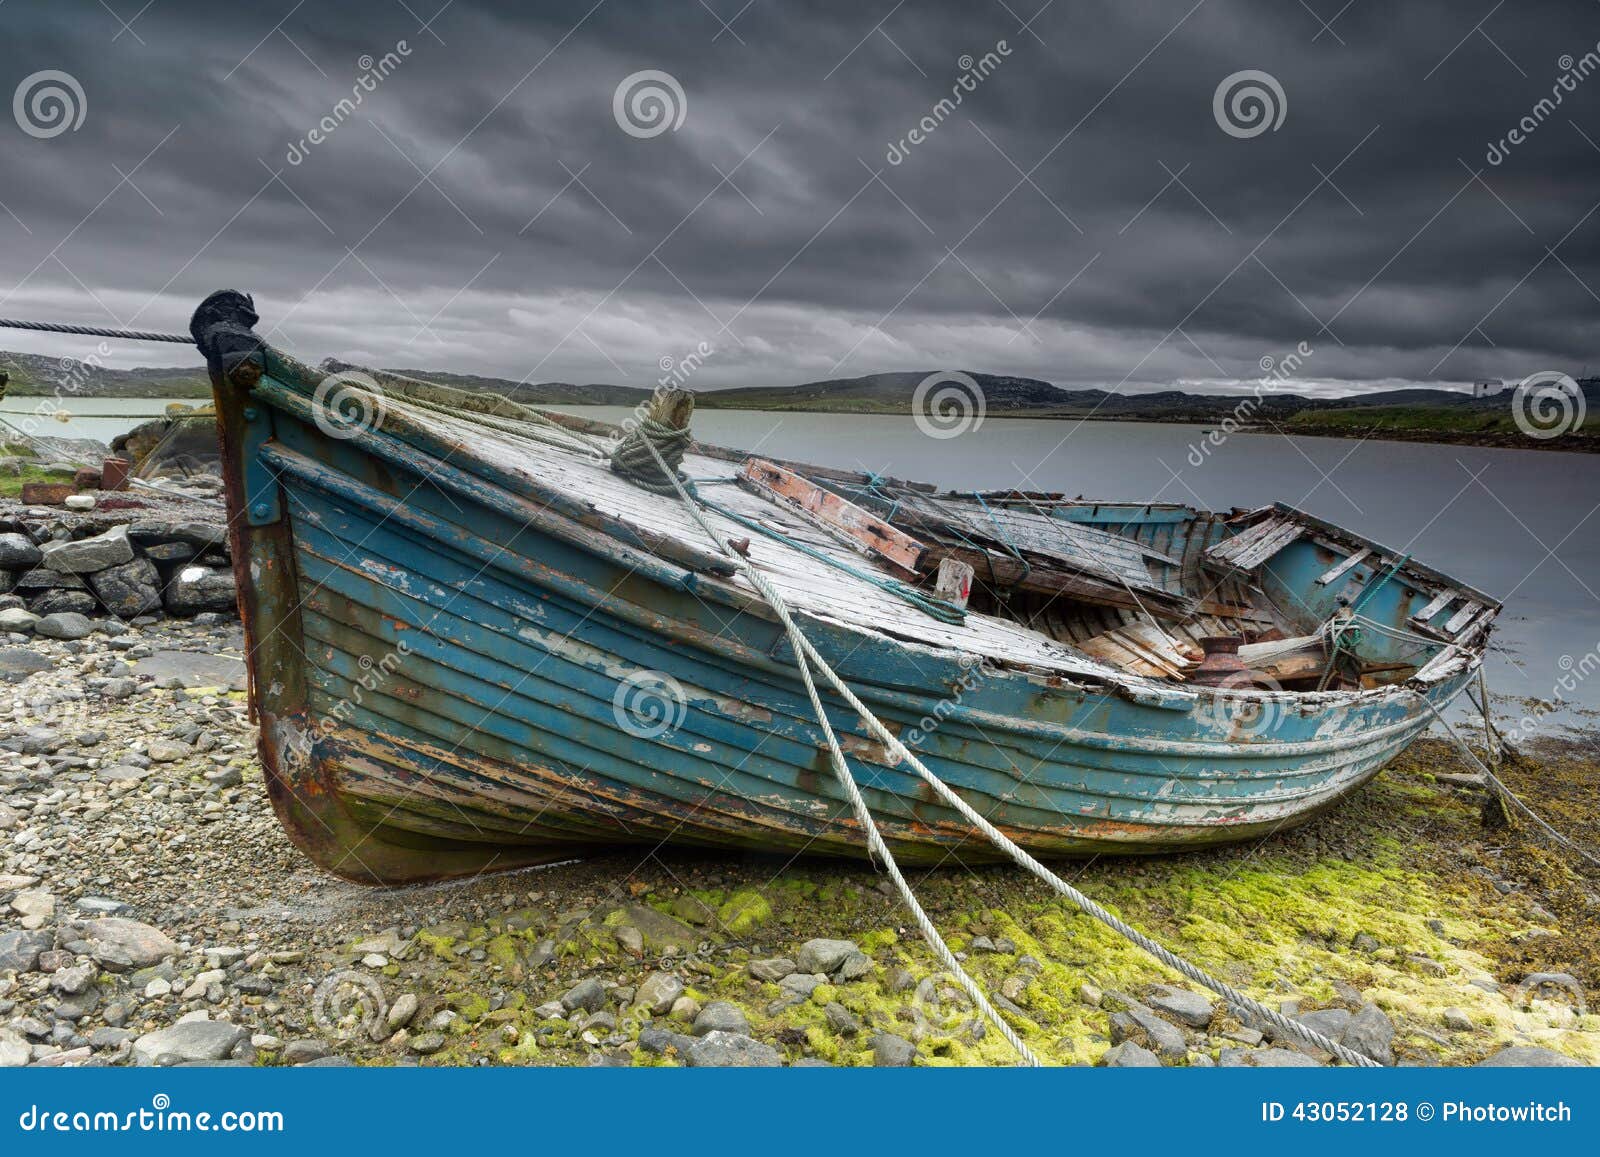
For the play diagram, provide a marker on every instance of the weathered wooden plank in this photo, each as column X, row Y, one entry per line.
column 1462, row 616
column 1340, row 569
column 1440, row 601
column 859, row 528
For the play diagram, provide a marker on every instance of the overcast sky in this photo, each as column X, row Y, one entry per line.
column 1082, row 215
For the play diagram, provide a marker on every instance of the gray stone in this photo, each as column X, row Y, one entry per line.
column 122, row 945
column 17, row 663
column 1456, row 1020
column 1267, row 1059
column 20, row 950
column 1142, row 1025
column 64, row 625
column 44, row 579
column 841, row 1019
column 729, row 1050
column 73, row 980
column 1180, row 1004
column 15, row 1052
column 103, row 906
column 428, row 1042
column 824, row 956
column 720, row 1016
column 17, row 619
column 1330, row 1022
column 402, row 1011
column 1370, row 1032
column 892, row 1052
column 587, row 994
column 198, row 588
column 663, row 1042
column 800, row 985
column 134, row 588
column 190, row 1040
column 194, row 669
column 63, row 603
column 1528, row 1057
column 772, row 970
column 18, row 552
column 299, row 1052
column 1130, row 1055
column 88, row 554
column 659, row 992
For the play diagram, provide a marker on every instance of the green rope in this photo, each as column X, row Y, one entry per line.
column 635, row 457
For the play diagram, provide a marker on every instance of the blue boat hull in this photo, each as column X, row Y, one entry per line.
column 443, row 678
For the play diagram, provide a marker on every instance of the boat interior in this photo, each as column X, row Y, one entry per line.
column 1271, row 598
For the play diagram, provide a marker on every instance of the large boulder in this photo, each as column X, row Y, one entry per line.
column 188, row 1041
column 63, row 602
column 85, row 555
column 122, row 945
column 18, row 552
column 200, row 588
column 132, row 589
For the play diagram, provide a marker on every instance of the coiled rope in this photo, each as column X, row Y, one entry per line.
column 95, row 331
column 807, row 657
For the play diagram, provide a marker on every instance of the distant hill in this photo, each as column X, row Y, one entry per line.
column 36, row 375
column 1417, row 413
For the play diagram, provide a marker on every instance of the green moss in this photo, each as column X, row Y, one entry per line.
column 442, row 947
column 744, row 912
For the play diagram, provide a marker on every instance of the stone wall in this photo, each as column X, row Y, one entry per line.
column 145, row 559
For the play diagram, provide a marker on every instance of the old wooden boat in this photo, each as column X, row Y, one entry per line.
column 474, row 644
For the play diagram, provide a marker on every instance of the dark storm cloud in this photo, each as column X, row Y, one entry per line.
column 1080, row 216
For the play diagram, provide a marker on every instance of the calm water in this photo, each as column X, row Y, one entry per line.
column 1522, row 525
column 82, row 417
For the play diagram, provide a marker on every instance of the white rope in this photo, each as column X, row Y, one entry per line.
column 806, row 655
column 869, row 827
column 1506, row 792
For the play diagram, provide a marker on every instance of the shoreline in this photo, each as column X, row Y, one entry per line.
column 153, row 911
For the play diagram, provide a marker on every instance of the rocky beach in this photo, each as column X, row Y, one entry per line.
column 152, row 912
